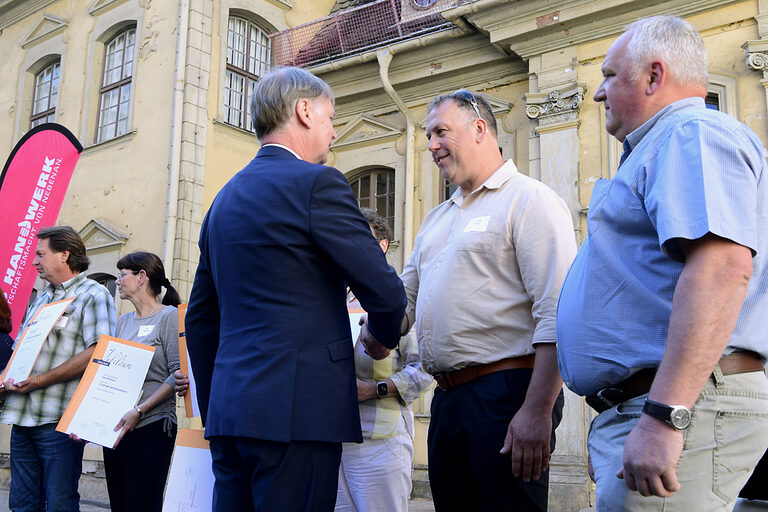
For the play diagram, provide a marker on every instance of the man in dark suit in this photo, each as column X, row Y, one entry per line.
column 267, row 325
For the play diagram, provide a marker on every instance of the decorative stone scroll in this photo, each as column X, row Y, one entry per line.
column 757, row 55
column 565, row 100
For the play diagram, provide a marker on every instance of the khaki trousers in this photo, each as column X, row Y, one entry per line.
column 727, row 436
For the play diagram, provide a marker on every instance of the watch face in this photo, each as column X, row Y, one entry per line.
column 680, row 417
column 381, row 389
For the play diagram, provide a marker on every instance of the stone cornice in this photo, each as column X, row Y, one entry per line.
column 757, row 55
column 557, row 102
column 530, row 28
column 12, row 11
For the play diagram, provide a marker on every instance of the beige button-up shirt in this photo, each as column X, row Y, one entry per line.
column 486, row 271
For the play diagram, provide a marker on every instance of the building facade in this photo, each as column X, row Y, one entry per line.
column 157, row 93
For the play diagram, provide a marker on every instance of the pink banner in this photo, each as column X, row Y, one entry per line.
column 32, row 187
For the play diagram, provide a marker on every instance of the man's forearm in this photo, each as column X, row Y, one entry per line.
column 706, row 304
column 70, row 369
column 545, row 382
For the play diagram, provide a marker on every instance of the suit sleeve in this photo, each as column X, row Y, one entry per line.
column 202, row 326
column 342, row 233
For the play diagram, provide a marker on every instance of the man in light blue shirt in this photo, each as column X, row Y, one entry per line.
column 662, row 318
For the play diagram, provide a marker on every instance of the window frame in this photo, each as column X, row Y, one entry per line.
column 373, row 194
column 51, row 110
column 232, row 71
column 117, row 85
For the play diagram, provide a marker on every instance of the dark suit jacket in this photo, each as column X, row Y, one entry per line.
column 267, row 325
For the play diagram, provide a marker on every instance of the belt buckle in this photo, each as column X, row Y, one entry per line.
column 600, row 402
column 442, row 383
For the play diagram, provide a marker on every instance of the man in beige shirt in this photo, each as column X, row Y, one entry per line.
column 482, row 285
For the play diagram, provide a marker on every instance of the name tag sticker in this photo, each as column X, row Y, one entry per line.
column 145, row 329
column 478, row 224
column 61, row 322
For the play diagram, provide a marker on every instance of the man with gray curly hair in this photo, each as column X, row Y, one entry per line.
column 267, row 325
column 662, row 319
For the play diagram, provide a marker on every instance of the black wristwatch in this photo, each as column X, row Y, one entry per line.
column 676, row 416
column 382, row 389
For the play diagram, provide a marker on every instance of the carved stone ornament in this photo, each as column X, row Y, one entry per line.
column 559, row 101
column 757, row 61
column 757, row 55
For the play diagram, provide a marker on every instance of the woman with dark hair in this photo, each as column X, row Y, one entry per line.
column 6, row 342
column 137, row 467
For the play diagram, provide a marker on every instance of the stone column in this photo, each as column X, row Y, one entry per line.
column 193, row 139
column 556, row 113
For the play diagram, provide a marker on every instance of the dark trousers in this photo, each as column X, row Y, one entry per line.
column 466, row 432
column 268, row 476
column 137, row 469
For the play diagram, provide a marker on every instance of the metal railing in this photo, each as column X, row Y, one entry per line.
column 357, row 30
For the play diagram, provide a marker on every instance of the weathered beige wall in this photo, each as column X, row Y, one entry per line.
column 123, row 181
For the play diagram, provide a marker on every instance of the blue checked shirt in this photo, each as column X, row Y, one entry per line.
column 686, row 172
column 90, row 315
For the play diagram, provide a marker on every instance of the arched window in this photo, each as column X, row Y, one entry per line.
column 248, row 57
column 46, row 94
column 115, row 92
column 105, row 280
column 375, row 189
column 448, row 188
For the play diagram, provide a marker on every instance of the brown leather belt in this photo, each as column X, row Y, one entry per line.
column 640, row 382
column 448, row 380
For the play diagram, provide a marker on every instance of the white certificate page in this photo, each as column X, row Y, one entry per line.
column 190, row 480
column 109, row 388
column 31, row 341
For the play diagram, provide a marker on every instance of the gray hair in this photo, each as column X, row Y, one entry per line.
column 275, row 95
column 463, row 102
column 674, row 41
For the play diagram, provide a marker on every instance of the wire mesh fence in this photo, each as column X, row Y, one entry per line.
column 356, row 30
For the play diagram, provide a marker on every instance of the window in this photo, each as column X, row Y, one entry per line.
column 448, row 188
column 248, row 54
column 376, row 190
column 115, row 92
column 45, row 95
column 712, row 101
column 105, row 280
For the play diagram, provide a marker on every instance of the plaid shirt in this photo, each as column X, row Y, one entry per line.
column 379, row 417
column 90, row 315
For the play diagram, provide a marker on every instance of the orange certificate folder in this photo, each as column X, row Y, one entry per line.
column 31, row 341
column 190, row 479
column 110, row 387
column 190, row 399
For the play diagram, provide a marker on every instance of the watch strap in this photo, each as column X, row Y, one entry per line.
column 665, row 413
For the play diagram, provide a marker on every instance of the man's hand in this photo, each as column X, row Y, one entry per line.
column 528, row 438
column 181, row 382
column 32, row 383
column 651, row 453
column 366, row 390
column 372, row 347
